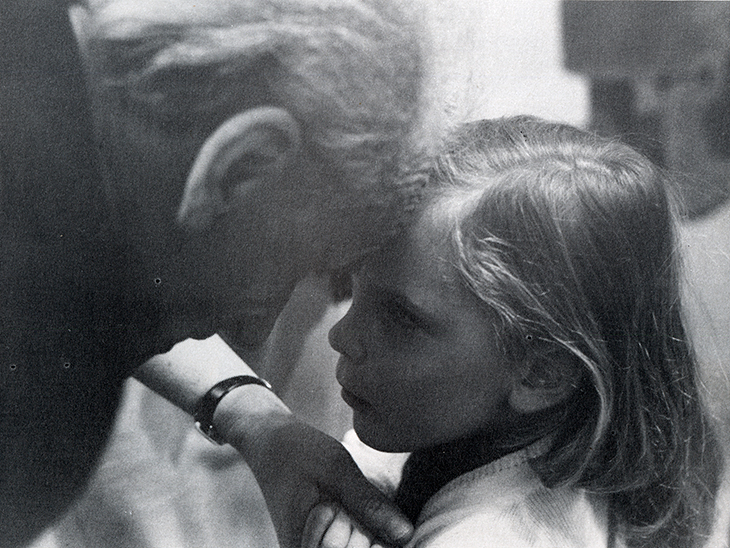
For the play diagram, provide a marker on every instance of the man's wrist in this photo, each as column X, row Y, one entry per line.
column 190, row 369
column 246, row 414
column 207, row 405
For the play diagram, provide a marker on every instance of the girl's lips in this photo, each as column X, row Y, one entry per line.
column 353, row 401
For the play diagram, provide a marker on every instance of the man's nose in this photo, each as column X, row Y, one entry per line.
column 346, row 340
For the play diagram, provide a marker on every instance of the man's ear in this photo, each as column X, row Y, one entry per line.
column 542, row 381
column 79, row 17
column 249, row 149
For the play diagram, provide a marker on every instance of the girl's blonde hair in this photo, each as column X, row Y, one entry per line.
column 570, row 238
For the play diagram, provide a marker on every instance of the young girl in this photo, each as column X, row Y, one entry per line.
column 524, row 342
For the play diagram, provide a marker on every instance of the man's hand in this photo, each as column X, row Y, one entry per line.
column 298, row 467
column 301, row 467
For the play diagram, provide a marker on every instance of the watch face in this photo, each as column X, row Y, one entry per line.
column 206, row 407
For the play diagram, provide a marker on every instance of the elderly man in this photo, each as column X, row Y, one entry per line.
column 241, row 146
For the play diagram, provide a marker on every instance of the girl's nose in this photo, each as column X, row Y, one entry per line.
column 346, row 340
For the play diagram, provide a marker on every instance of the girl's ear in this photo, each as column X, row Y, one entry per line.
column 542, row 381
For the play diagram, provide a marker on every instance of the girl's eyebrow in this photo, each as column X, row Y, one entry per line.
column 423, row 316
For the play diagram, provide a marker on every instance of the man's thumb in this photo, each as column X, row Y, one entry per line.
column 372, row 509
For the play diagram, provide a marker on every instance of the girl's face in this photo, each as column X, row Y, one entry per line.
column 419, row 364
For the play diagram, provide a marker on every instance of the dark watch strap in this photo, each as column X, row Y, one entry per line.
column 206, row 407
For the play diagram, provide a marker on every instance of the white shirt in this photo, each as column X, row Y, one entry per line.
column 500, row 505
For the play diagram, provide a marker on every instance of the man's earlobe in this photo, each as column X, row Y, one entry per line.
column 79, row 17
column 254, row 147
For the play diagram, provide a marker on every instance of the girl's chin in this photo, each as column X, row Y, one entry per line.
column 377, row 437
column 358, row 405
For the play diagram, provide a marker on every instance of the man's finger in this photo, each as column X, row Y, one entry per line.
column 369, row 507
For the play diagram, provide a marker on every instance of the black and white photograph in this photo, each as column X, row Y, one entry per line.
column 364, row 274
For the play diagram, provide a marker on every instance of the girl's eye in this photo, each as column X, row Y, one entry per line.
column 391, row 310
column 402, row 317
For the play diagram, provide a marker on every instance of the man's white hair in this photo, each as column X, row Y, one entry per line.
column 350, row 71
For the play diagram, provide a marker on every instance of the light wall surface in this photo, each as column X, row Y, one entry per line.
column 501, row 58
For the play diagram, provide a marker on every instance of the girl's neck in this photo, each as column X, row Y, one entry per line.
column 428, row 470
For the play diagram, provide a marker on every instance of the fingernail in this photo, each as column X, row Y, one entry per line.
column 402, row 532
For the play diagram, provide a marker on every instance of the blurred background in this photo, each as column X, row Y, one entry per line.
column 655, row 74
